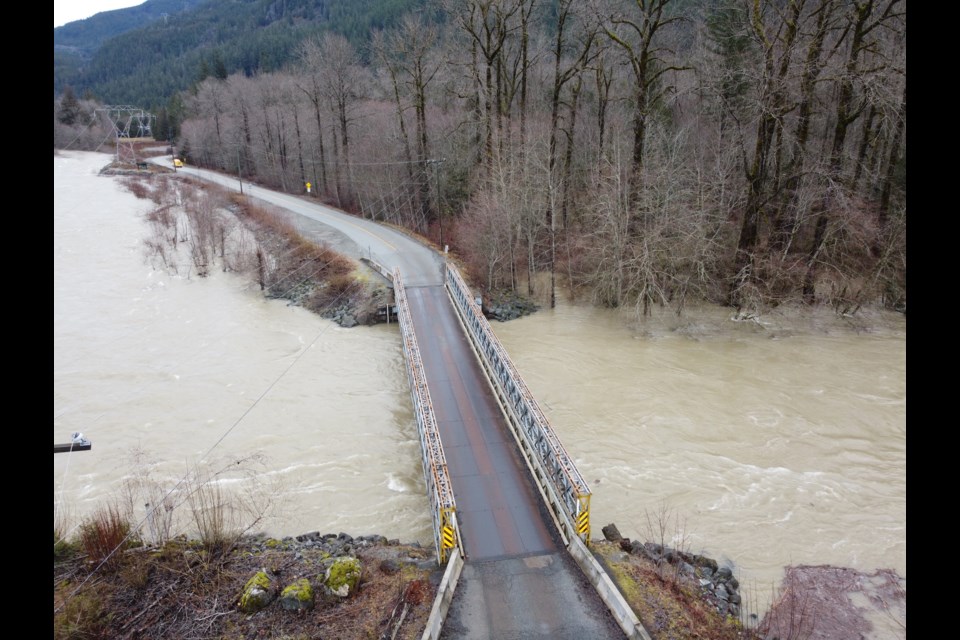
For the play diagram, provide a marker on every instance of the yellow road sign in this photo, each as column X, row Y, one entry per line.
column 583, row 522
column 449, row 538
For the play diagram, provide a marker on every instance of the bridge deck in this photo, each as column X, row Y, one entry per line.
column 519, row 581
column 496, row 502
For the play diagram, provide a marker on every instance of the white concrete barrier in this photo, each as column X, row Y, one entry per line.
column 441, row 604
column 608, row 591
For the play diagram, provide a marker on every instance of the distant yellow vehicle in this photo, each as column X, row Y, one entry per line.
column 177, row 163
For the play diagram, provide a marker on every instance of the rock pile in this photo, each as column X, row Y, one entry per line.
column 335, row 567
column 508, row 307
column 717, row 584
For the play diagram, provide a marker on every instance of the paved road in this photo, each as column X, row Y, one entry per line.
column 419, row 264
column 519, row 582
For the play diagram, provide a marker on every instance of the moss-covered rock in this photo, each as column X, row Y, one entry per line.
column 343, row 576
column 257, row 593
column 297, row 596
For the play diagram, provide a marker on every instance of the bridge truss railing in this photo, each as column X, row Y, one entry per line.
column 546, row 454
column 446, row 530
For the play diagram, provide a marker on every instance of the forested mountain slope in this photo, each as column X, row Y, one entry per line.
column 139, row 56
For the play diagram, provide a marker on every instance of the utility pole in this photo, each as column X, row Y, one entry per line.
column 436, row 172
column 239, row 177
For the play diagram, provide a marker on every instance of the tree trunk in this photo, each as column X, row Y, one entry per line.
column 323, row 164
column 785, row 222
column 847, row 112
column 296, row 127
column 568, row 155
column 773, row 103
column 894, row 160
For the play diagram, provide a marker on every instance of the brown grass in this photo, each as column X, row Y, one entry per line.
column 104, row 534
column 136, row 186
column 81, row 617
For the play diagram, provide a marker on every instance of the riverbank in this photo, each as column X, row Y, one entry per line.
column 329, row 586
column 298, row 587
column 268, row 588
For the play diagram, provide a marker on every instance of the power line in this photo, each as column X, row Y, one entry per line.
column 149, row 514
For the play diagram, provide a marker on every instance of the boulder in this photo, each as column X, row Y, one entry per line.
column 257, row 593
column 343, row 576
column 611, row 533
column 297, row 596
column 705, row 562
column 389, row 566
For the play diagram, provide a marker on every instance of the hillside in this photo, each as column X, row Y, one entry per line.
column 132, row 56
column 85, row 36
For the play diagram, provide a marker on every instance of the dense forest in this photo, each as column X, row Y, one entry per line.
column 636, row 152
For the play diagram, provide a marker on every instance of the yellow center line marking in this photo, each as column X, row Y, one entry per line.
column 367, row 231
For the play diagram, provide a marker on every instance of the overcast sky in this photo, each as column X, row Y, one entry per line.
column 65, row 11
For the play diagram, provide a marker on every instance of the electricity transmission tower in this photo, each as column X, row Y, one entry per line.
column 127, row 123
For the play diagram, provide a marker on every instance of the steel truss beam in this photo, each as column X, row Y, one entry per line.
column 446, row 530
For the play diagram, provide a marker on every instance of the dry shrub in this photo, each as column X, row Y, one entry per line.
column 294, row 266
column 62, row 547
column 330, row 263
column 212, row 514
column 665, row 527
column 269, row 220
column 136, row 186
column 162, row 192
column 105, row 533
column 338, row 289
column 222, row 517
column 816, row 603
column 140, row 488
column 416, row 592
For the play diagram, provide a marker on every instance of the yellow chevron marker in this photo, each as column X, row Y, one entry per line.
column 449, row 539
column 583, row 522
